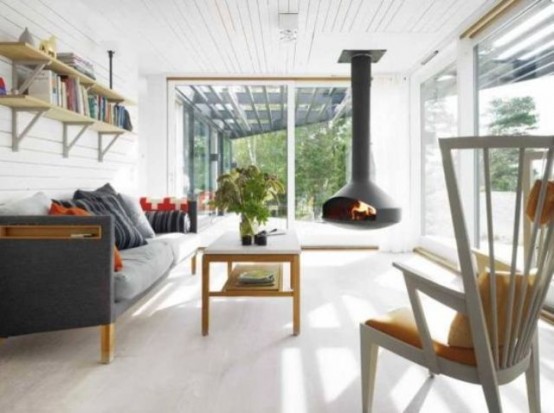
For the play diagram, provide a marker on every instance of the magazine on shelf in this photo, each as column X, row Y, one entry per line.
column 257, row 277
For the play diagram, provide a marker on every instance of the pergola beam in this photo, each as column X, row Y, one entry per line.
column 326, row 105
column 268, row 108
column 203, row 96
column 314, row 94
column 238, row 110
column 253, row 104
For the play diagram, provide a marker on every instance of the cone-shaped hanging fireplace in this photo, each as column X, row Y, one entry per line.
column 361, row 203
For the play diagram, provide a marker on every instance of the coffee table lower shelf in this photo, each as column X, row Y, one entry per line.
column 233, row 289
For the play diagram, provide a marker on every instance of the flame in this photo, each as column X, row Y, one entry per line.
column 361, row 211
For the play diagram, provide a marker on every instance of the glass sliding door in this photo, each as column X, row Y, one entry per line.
column 516, row 83
column 439, row 109
column 235, row 126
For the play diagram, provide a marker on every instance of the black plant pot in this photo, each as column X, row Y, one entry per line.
column 260, row 239
column 246, row 240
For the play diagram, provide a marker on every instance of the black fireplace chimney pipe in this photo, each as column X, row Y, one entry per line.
column 343, row 207
column 361, row 139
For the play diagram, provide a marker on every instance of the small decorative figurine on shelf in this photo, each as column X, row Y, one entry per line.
column 26, row 37
column 48, row 46
column 2, row 87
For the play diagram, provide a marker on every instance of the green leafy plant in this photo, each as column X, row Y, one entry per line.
column 247, row 192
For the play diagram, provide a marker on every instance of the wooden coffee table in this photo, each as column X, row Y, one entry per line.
column 279, row 249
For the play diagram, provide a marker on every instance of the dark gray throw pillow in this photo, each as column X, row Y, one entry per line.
column 130, row 205
column 106, row 189
column 136, row 215
column 126, row 234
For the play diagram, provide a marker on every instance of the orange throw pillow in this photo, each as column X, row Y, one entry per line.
column 533, row 200
column 57, row 209
column 460, row 332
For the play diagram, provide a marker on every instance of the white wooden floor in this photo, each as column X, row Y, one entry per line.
column 250, row 362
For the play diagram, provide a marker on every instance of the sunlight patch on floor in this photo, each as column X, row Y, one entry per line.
column 293, row 391
column 142, row 309
column 358, row 309
column 324, row 316
column 338, row 369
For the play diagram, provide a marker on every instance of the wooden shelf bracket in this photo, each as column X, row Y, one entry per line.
column 18, row 137
column 35, row 65
column 102, row 151
column 67, row 144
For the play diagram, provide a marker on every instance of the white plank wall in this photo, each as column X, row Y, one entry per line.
column 39, row 164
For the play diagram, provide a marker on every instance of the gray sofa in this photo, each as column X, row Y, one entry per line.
column 52, row 278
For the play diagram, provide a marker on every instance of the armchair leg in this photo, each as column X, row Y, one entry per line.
column 532, row 378
column 107, row 339
column 492, row 397
column 369, row 354
column 193, row 264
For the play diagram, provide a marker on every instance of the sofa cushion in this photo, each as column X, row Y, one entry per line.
column 37, row 204
column 126, row 234
column 182, row 245
column 136, row 215
column 143, row 267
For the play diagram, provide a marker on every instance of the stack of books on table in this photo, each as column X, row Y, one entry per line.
column 257, row 277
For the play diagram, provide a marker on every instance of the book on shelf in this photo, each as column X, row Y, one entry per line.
column 45, row 87
column 67, row 92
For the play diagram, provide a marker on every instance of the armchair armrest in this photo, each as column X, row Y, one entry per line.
column 447, row 296
column 416, row 281
column 56, row 272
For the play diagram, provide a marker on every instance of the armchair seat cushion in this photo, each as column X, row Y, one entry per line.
column 401, row 324
column 142, row 267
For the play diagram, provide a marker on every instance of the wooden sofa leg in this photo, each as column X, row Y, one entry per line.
column 193, row 264
column 107, row 340
column 2, row 339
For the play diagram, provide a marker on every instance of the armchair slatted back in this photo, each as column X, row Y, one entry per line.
column 505, row 320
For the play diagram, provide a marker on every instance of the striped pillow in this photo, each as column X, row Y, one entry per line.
column 126, row 234
column 168, row 221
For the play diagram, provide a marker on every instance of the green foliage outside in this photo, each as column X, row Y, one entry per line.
column 515, row 116
column 321, row 159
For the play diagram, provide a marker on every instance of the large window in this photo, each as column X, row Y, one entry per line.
column 516, row 84
column 323, row 139
column 439, row 108
column 239, row 124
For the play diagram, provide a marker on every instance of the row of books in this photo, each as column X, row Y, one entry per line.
column 68, row 93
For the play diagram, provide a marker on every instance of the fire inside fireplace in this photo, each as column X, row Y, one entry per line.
column 343, row 209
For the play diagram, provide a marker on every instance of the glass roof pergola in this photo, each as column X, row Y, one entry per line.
column 243, row 111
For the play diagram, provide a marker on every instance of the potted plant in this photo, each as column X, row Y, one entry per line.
column 247, row 192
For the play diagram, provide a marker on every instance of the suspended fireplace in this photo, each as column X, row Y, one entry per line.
column 361, row 203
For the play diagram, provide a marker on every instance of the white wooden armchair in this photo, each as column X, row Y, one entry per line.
column 493, row 338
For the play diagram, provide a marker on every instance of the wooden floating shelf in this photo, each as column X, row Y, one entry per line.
column 55, row 112
column 24, row 52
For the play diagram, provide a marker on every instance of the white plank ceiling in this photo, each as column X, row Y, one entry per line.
column 242, row 36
